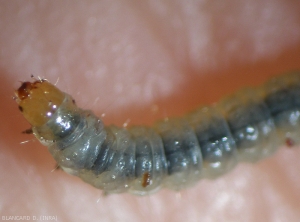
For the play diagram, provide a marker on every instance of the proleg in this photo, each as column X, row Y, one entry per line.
column 245, row 127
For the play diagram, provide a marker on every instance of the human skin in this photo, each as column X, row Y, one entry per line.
column 137, row 62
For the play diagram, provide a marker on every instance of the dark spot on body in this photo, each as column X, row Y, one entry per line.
column 21, row 108
column 146, row 181
column 289, row 142
column 28, row 131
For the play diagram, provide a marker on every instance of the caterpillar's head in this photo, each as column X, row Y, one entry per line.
column 38, row 101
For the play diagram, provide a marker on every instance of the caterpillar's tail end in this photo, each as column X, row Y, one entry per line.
column 38, row 100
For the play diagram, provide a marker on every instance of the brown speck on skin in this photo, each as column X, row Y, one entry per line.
column 289, row 142
column 146, row 179
column 73, row 100
column 21, row 108
column 28, row 131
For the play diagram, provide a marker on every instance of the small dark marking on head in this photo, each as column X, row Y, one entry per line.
column 289, row 142
column 146, row 181
column 25, row 89
column 73, row 100
column 20, row 108
column 28, row 131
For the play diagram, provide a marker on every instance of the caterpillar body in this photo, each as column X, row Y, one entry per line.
column 247, row 126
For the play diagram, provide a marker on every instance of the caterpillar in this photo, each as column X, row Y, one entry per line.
column 175, row 153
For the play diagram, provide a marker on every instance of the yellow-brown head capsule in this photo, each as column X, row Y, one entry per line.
column 38, row 101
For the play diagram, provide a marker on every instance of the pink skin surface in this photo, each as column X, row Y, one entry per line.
column 137, row 62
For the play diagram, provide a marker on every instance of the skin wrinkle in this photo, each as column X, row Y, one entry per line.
column 35, row 40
